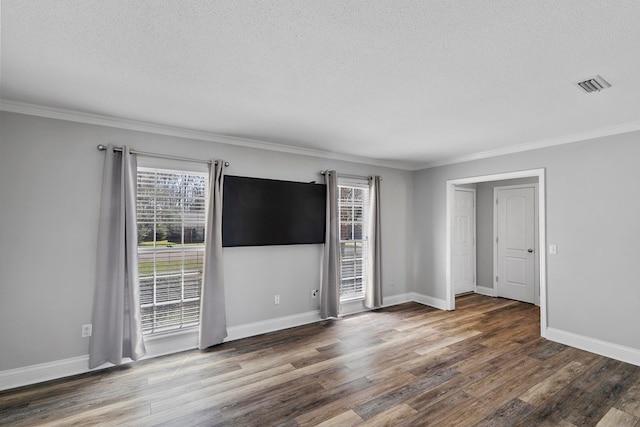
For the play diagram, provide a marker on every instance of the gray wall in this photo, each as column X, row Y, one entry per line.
column 484, row 227
column 593, row 288
column 50, row 183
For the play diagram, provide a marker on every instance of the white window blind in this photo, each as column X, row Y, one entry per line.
column 171, row 221
column 353, row 205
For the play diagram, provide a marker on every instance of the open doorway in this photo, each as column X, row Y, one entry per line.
column 540, row 259
column 494, row 240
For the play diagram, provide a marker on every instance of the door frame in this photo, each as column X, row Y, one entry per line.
column 475, row 232
column 536, row 247
column 449, row 195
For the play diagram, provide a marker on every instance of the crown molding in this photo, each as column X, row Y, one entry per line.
column 134, row 125
column 120, row 123
column 535, row 145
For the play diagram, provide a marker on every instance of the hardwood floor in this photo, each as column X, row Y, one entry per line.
column 409, row 365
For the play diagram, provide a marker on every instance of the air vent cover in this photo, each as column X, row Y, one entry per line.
column 594, row 84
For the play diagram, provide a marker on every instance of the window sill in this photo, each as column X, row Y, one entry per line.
column 352, row 299
column 170, row 332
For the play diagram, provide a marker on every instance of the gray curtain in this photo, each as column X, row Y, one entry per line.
column 330, row 285
column 117, row 327
column 373, row 291
column 213, row 318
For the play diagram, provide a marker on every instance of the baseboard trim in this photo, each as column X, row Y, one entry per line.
column 187, row 340
column 397, row 299
column 19, row 377
column 357, row 306
column 594, row 345
column 485, row 290
column 271, row 325
column 430, row 301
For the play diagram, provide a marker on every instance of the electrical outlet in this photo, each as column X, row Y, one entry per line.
column 314, row 293
column 86, row 330
column 276, row 299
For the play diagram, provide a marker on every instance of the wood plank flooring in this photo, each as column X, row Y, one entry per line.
column 408, row 365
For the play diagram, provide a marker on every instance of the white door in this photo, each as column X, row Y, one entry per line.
column 515, row 242
column 463, row 247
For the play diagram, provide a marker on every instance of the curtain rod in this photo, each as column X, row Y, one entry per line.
column 102, row 147
column 324, row 172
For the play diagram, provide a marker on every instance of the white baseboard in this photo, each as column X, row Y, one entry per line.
column 186, row 340
column 270, row 325
column 156, row 346
column 357, row 306
column 593, row 345
column 485, row 290
column 397, row 299
column 18, row 377
column 430, row 301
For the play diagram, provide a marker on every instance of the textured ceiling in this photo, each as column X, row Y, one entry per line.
column 408, row 81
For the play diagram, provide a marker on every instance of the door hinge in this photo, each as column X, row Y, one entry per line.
column 496, row 240
column 496, row 201
column 496, row 278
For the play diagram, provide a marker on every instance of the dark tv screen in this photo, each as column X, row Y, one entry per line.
column 259, row 212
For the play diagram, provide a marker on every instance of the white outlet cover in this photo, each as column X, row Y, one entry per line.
column 87, row 330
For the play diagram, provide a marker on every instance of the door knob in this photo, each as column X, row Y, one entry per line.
column 529, row 250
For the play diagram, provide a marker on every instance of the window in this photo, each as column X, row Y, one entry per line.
column 353, row 205
column 171, row 222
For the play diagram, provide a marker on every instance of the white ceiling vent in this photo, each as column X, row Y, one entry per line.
column 594, row 84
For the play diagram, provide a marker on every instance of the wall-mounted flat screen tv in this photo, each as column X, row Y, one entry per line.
column 259, row 212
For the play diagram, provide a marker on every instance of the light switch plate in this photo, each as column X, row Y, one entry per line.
column 553, row 249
